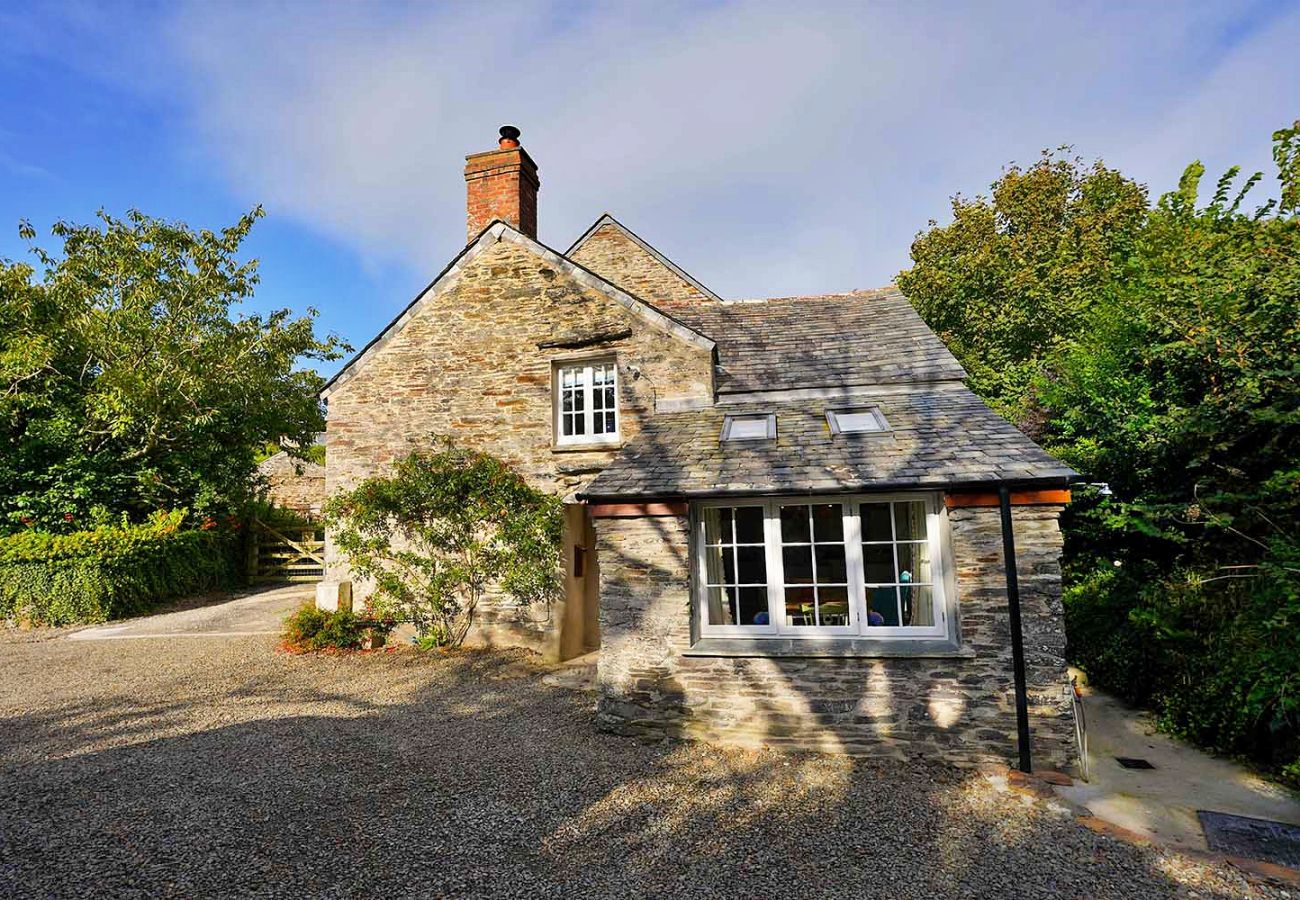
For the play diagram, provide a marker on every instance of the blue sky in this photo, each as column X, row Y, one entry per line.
column 769, row 151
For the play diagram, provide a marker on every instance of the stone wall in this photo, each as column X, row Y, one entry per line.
column 469, row 365
column 958, row 710
column 611, row 254
column 293, row 484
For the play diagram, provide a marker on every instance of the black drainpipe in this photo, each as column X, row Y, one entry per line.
column 1017, row 639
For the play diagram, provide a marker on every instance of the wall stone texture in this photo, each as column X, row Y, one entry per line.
column 613, row 255
column 468, row 365
column 293, row 484
column 957, row 710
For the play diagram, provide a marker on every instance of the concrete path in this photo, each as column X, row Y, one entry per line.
column 1161, row 803
column 259, row 612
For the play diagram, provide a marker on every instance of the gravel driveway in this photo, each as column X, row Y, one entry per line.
column 218, row 767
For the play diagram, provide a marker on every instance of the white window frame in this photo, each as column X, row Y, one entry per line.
column 856, row 629
column 585, row 367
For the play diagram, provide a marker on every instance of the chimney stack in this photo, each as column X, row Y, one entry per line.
column 502, row 184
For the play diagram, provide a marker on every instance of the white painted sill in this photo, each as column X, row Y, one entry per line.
column 831, row 648
column 588, row 446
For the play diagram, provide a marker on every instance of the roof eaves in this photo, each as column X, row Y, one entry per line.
column 607, row 219
column 1061, row 480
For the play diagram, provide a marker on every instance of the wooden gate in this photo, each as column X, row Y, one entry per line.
column 286, row 552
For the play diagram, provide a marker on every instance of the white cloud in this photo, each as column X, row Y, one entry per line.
column 770, row 148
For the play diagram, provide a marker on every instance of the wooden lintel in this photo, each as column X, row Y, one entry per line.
column 636, row 510
column 1018, row 498
column 577, row 342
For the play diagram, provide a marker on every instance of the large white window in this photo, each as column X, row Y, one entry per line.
column 866, row 566
column 586, row 402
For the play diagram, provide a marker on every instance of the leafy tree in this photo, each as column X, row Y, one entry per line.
column 127, row 386
column 1012, row 278
column 1168, row 365
column 440, row 533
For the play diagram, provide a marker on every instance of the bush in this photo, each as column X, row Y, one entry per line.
column 1218, row 661
column 109, row 572
column 447, row 528
column 310, row 628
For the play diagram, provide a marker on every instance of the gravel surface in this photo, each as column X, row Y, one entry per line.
column 219, row 767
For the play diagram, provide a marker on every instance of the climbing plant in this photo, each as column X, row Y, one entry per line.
column 443, row 530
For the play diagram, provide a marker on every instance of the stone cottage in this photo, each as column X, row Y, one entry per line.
column 787, row 519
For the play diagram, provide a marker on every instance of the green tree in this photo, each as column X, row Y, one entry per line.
column 447, row 527
column 1013, row 276
column 127, row 386
column 1167, row 364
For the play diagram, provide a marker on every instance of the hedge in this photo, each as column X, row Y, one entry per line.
column 110, row 572
column 1218, row 662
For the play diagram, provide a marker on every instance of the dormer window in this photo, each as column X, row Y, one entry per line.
column 867, row 420
column 749, row 428
column 586, row 402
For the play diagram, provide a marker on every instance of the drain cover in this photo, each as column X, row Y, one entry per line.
column 1274, row 842
column 1133, row 762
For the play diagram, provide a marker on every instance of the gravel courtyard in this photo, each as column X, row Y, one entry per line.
column 219, row 767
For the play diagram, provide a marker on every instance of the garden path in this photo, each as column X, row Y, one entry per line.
column 257, row 612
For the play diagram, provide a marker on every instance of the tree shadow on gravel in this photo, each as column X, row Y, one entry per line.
column 476, row 779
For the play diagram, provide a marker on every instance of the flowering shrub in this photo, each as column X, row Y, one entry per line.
column 309, row 628
column 448, row 526
column 108, row 572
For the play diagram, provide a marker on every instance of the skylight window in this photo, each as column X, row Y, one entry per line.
column 749, row 428
column 856, row 421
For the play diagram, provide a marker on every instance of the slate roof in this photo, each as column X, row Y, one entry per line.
column 941, row 436
column 834, row 340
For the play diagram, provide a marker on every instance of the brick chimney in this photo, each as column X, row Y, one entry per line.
column 502, row 184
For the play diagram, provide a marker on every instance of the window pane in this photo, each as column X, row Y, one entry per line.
column 728, row 565
column 721, row 608
column 828, row 522
column 566, row 401
column 879, row 562
column 749, row 525
column 753, row 606
column 752, row 565
column 800, row 606
column 794, row 525
column 713, row 556
column 913, row 563
column 850, row 422
column 717, row 525
column 882, row 606
column 833, row 605
column 743, row 428
column 909, row 519
column 875, row 522
column 918, row 605
column 609, row 423
column 798, row 565
column 579, row 425
column 831, row 565
column 579, row 401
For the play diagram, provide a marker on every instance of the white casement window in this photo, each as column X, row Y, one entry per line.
column 586, row 402
column 869, row 566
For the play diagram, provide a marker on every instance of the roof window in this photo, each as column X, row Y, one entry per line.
column 749, row 428
column 867, row 420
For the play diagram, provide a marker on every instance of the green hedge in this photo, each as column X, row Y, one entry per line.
column 1218, row 661
column 108, row 573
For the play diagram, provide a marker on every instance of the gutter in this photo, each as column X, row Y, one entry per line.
column 1053, row 481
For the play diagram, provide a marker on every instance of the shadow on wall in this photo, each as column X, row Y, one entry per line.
column 464, row 775
column 957, row 709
